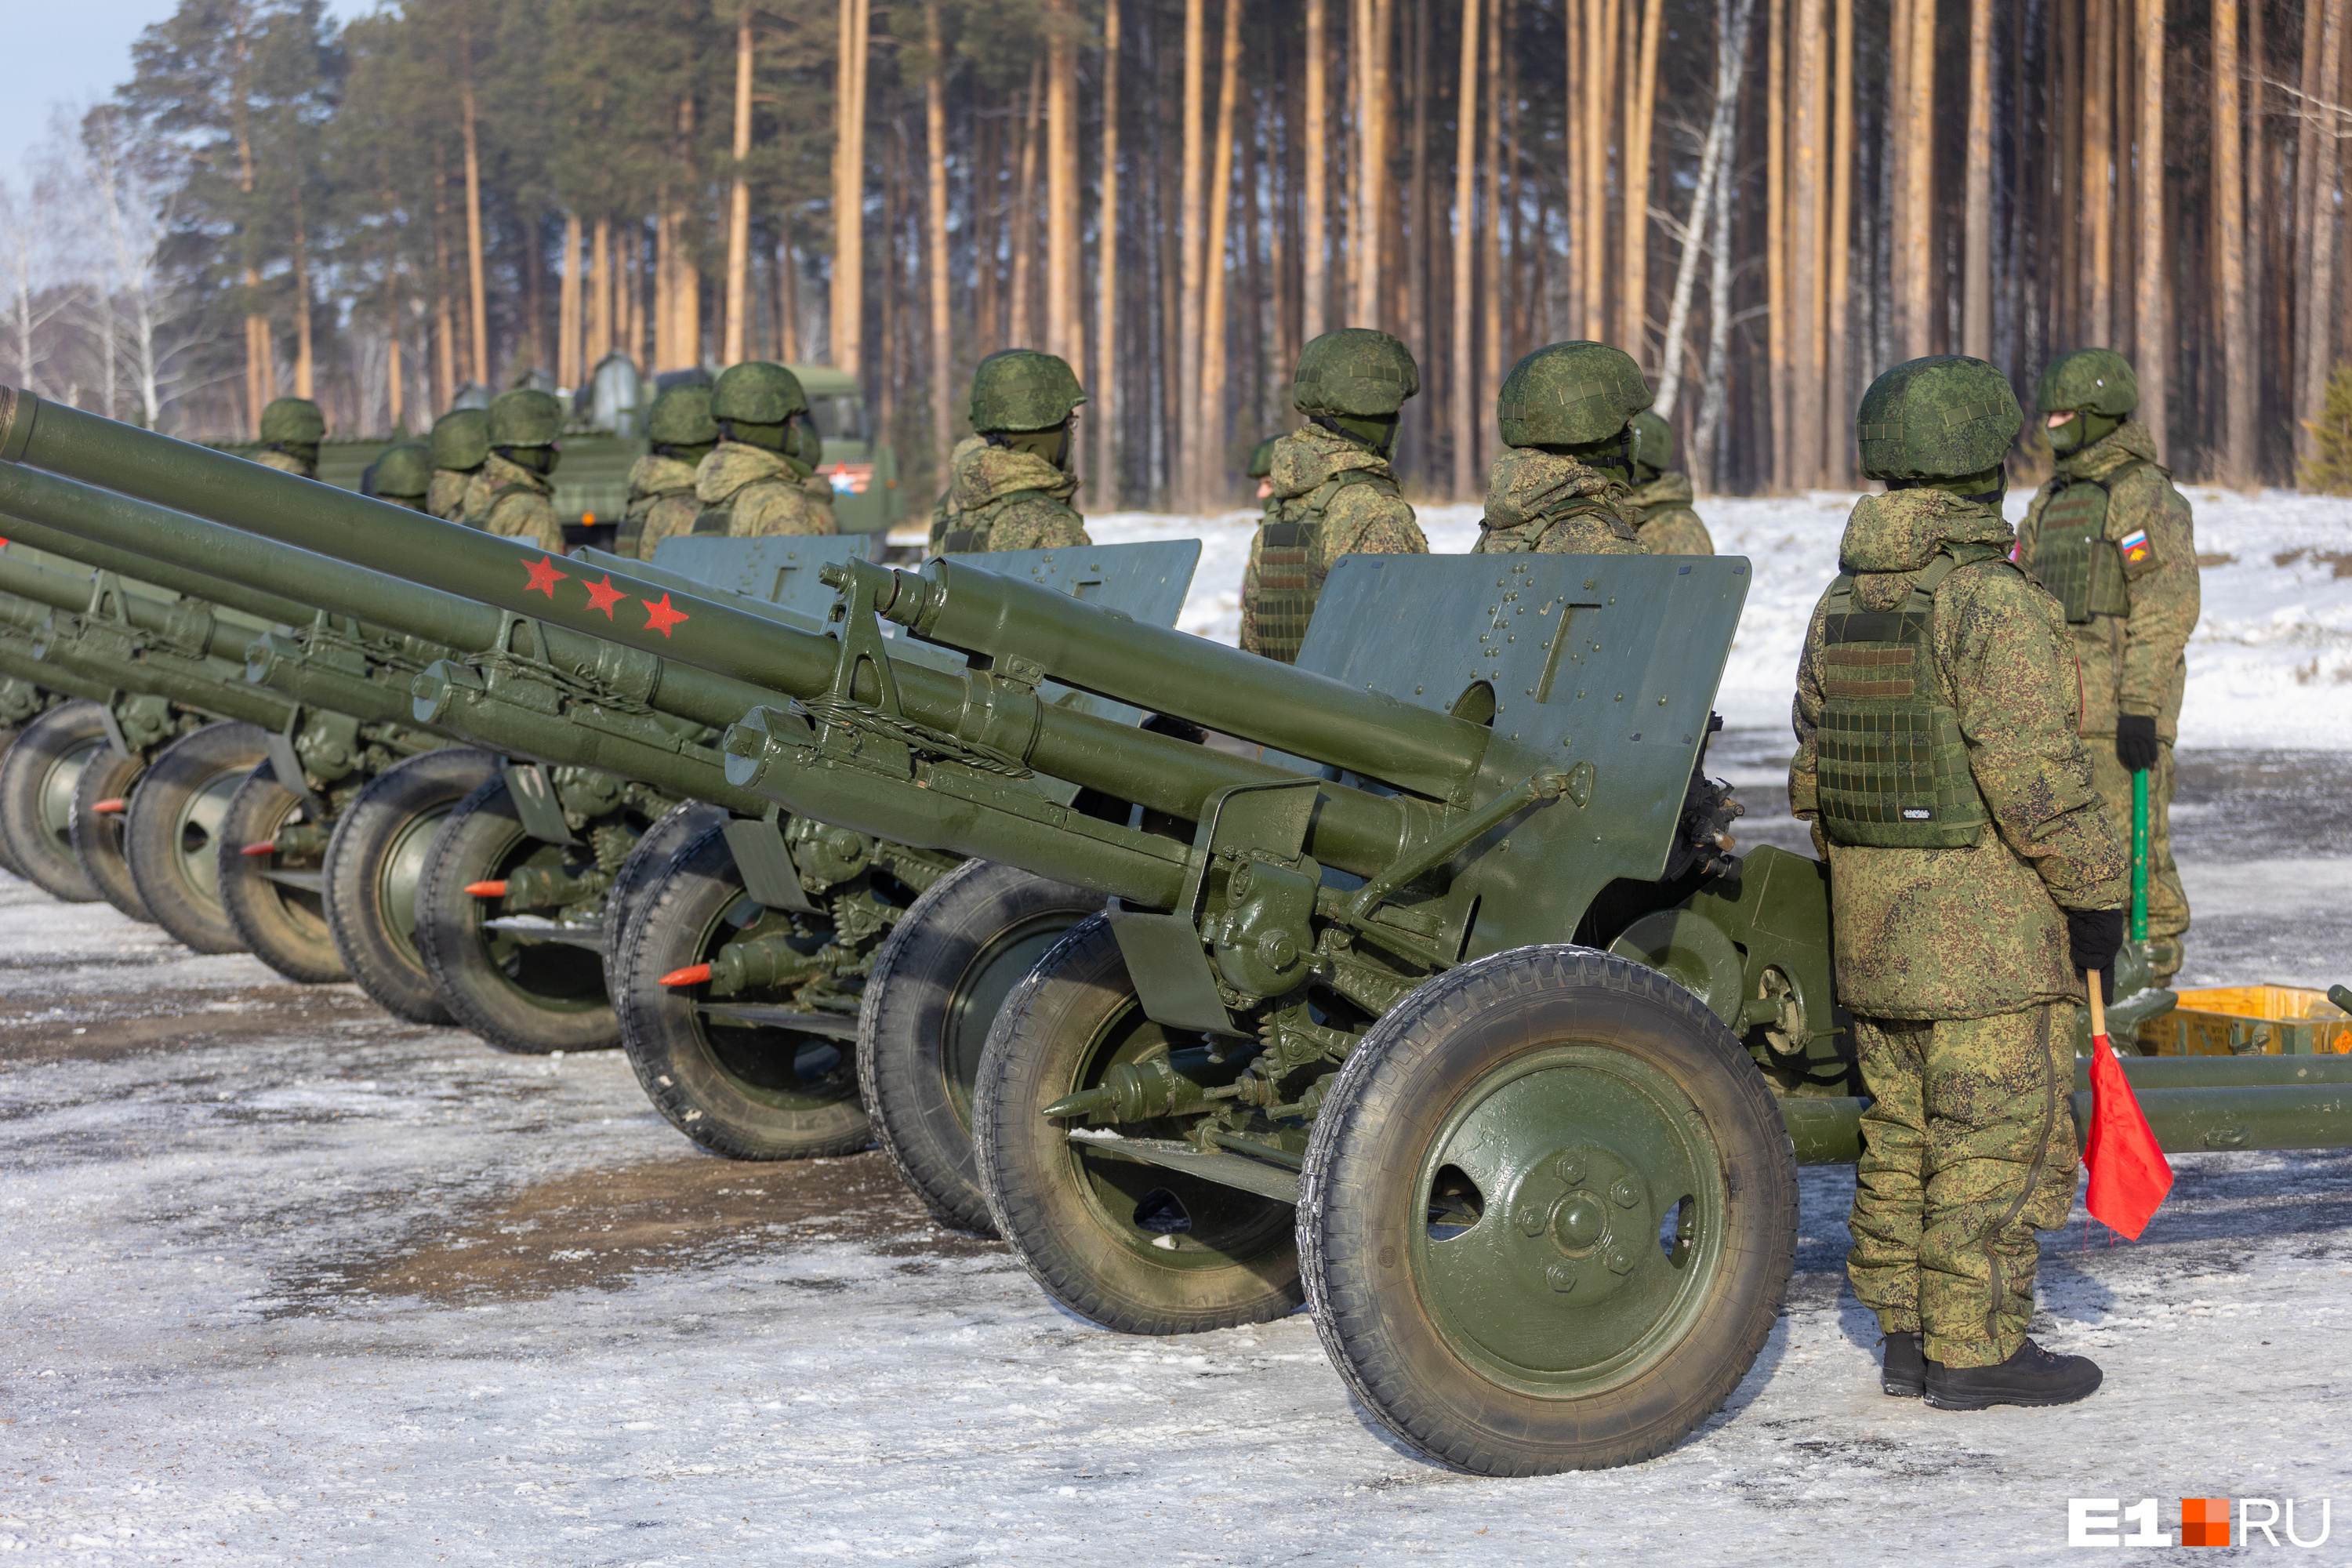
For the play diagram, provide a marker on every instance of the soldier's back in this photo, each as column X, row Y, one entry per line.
column 761, row 493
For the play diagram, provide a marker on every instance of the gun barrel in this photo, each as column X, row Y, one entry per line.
column 64, row 591
column 240, row 596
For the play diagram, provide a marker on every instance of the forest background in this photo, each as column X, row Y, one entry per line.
column 1766, row 200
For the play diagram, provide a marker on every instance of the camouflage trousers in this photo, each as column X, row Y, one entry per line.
column 1968, row 1149
column 2167, row 901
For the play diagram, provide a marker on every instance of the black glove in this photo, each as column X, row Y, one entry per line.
column 2096, row 936
column 2136, row 742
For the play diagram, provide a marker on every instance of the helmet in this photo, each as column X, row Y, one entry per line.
column 525, row 417
column 404, row 471
column 1942, row 417
column 1023, row 389
column 1261, row 461
column 2096, row 381
column 1355, row 372
column 681, row 417
column 757, row 392
column 293, row 421
column 1654, row 441
column 461, row 439
column 1569, row 395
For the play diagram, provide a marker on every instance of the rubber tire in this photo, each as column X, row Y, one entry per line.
column 1359, row 1194
column 284, row 927
column 8, row 861
column 932, row 997
column 187, row 791
column 641, row 873
column 43, row 767
column 554, row 998
column 1044, row 1045
column 99, row 837
column 676, row 1052
column 393, row 817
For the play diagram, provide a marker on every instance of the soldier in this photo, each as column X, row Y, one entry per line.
column 1331, row 490
column 461, row 444
column 291, row 429
column 1561, row 485
column 513, row 496
column 762, row 477
column 1973, row 877
column 1662, row 493
column 401, row 474
column 1009, row 487
column 680, row 432
column 2111, row 537
column 1261, row 467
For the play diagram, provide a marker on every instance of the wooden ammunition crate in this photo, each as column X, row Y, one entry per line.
column 2250, row 1020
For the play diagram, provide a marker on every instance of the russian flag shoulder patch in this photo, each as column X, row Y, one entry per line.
column 2135, row 546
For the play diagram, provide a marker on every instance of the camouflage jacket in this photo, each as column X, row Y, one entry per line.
column 1968, row 932
column 515, row 503
column 287, row 463
column 662, row 503
column 1669, row 524
column 1006, row 500
column 1539, row 500
column 2133, row 663
column 447, row 498
column 764, row 493
column 1353, row 519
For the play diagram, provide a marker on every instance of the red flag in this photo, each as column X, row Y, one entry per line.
column 2129, row 1174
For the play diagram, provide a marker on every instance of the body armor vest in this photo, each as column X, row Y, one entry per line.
column 1290, row 568
column 2074, row 557
column 1892, row 765
column 631, row 534
column 969, row 536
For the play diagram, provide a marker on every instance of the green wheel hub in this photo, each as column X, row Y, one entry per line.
column 57, row 792
column 1574, row 1203
column 403, row 869
column 197, row 831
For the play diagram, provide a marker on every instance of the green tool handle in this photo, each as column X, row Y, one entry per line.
column 2139, row 856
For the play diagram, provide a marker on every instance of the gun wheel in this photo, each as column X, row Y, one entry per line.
column 97, row 837
column 641, row 874
column 937, row 987
column 276, row 902
column 520, row 993
column 375, row 860
column 747, row 1090
column 172, row 837
column 1133, row 1246
column 37, row 789
column 1548, row 1215
column 8, row 861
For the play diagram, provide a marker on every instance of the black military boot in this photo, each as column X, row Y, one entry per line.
column 2032, row 1376
column 1904, row 1372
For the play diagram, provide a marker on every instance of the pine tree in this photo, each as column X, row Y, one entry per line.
column 2328, row 469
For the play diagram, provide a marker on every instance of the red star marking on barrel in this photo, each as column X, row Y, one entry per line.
column 660, row 618
column 543, row 576
column 604, row 596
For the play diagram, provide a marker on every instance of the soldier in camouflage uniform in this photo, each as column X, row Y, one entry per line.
column 291, row 429
column 461, row 444
column 1331, row 490
column 1261, row 466
column 679, row 433
column 401, row 474
column 1669, row 526
column 1561, row 485
column 1973, row 876
column 1009, row 486
column 2114, row 540
column 761, row 478
column 514, row 495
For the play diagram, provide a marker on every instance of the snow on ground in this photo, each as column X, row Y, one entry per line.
column 2271, row 664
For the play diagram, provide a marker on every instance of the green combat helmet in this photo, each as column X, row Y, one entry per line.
column 2097, row 384
column 1570, row 395
column 1946, row 416
column 291, row 429
column 401, row 474
column 1355, row 374
column 681, row 421
column 525, row 417
column 1020, row 390
column 763, row 405
column 1261, row 463
column 1653, row 443
column 461, row 439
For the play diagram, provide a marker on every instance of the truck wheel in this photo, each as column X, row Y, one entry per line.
column 36, row 790
column 747, row 1092
column 517, row 993
column 375, row 859
column 937, row 985
column 1133, row 1246
column 97, row 835
column 276, row 902
column 641, row 873
column 8, row 861
column 172, row 838
column 1548, row 1215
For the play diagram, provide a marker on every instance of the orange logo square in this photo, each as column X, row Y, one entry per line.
column 2204, row 1521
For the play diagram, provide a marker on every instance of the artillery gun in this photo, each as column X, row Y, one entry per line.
column 1373, row 1021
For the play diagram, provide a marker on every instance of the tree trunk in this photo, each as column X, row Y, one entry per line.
column 1573, row 127
column 1976, row 233
column 2319, row 348
column 1315, row 222
column 1595, row 102
column 1106, row 408
column 1025, row 213
column 1634, row 334
column 2257, row 163
column 445, row 329
column 1835, row 469
column 1807, row 162
column 1776, row 240
column 394, row 390
column 847, row 306
column 303, row 379
column 478, row 316
column 935, row 268
column 1209, row 449
column 1919, row 175
column 1706, row 439
column 2098, row 164
column 600, row 309
column 788, row 270
column 2229, row 175
column 1730, row 66
column 1182, row 415
column 1419, row 327
column 738, row 202
column 567, row 306
column 1065, row 324
column 1466, row 480
column 1490, row 234
column 1373, row 158
column 2152, row 306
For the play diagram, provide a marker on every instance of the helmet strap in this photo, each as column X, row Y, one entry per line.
column 1053, row 445
column 1986, row 488
column 1373, row 435
column 769, row 436
column 537, row 459
column 688, row 453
